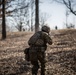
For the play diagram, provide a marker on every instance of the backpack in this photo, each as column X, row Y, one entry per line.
column 36, row 39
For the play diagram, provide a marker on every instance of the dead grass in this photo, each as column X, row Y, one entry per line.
column 61, row 56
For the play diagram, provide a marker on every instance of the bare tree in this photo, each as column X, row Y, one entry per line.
column 3, row 20
column 32, row 14
column 43, row 18
column 2, row 15
column 66, row 14
column 19, row 26
column 8, row 8
column 0, row 8
column 70, row 4
column 0, row 26
column 37, row 15
column 22, row 15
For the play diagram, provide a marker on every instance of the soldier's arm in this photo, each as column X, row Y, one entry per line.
column 48, row 39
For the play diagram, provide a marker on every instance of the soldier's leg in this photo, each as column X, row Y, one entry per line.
column 43, row 68
column 42, row 61
column 35, row 67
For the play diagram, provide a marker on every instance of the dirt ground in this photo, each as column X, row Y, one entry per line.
column 60, row 56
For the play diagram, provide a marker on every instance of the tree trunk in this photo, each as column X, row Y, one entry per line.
column 3, row 21
column 37, row 15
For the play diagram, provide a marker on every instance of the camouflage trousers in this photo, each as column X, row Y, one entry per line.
column 37, row 55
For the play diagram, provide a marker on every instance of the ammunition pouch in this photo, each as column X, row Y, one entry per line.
column 26, row 52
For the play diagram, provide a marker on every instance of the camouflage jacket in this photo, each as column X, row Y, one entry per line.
column 42, row 40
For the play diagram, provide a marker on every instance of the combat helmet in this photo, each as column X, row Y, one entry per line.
column 45, row 29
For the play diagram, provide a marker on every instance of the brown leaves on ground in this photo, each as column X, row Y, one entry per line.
column 61, row 56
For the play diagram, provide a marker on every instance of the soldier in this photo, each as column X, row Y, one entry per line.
column 37, row 50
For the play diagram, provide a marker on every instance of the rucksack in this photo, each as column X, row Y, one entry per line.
column 36, row 39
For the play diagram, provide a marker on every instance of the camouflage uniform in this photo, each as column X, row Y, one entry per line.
column 37, row 54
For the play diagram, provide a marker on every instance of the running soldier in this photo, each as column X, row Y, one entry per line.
column 38, row 48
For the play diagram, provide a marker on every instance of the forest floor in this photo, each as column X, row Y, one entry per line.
column 61, row 55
